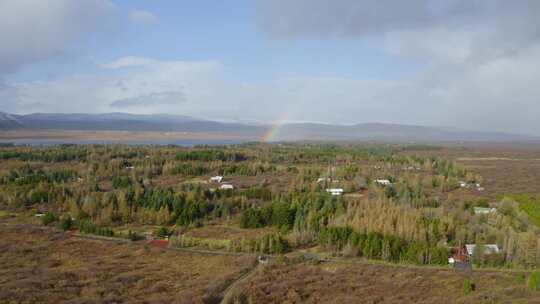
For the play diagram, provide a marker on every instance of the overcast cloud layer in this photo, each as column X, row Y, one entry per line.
column 33, row 30
column 479, row 64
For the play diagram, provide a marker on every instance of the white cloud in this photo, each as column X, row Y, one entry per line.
column 150, row 100
column 198, row 88
column 501, row 95
column 138, row 85
column 142, row 17
column 129, row 61
column 35, row 30
column 316, row 18
column 481, row 58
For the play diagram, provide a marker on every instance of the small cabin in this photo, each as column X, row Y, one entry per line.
column 216, row 179
column 226, row 187
column 323, row 179
column 335, row 191
column 482, row 210
column 383, row 182
column 458, row 254
column 488, row 249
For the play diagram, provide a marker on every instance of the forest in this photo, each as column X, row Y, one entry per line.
column 278, row 200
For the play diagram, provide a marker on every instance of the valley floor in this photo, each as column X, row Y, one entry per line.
column 40, row 265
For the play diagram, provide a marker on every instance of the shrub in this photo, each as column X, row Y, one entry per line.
column 534, row 280
column 88, row 227
column 468, row 286
column 252, row 218
column 48, row 218
column 162, row 232
column 65, row 223
column 521, row 279
column 272, row 244
column 133, row 236
column 212, row 244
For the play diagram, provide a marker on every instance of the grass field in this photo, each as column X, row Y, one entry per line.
column 375, row 283
column 506, row 168
column 39, row 265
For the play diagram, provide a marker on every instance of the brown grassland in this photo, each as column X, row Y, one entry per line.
column 43, row 266
column 506, row 168
column 378, row 283
column 40, row 265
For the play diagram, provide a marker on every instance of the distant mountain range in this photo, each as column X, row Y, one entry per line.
column 117, row 122
column 286, row 132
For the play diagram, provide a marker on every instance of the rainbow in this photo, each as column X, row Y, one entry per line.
column 272, row 132
column 274, row 129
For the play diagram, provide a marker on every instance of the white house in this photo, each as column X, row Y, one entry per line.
column 226, row 187
column 488, row 249
column 482, row 210
column 216, row 179
column 383, row 182
column 462, row 184
column 335, row 191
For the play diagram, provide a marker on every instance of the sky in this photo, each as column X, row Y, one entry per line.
column 469, row 64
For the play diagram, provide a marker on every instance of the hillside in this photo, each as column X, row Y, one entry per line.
column 116, row 122
column 285, row 132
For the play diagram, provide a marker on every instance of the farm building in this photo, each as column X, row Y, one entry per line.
column 216, row 179
column 488, row 249
column 335, row 191
column 383, row 182
column 458, row 254
column 482, row 210
column 226, row 187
